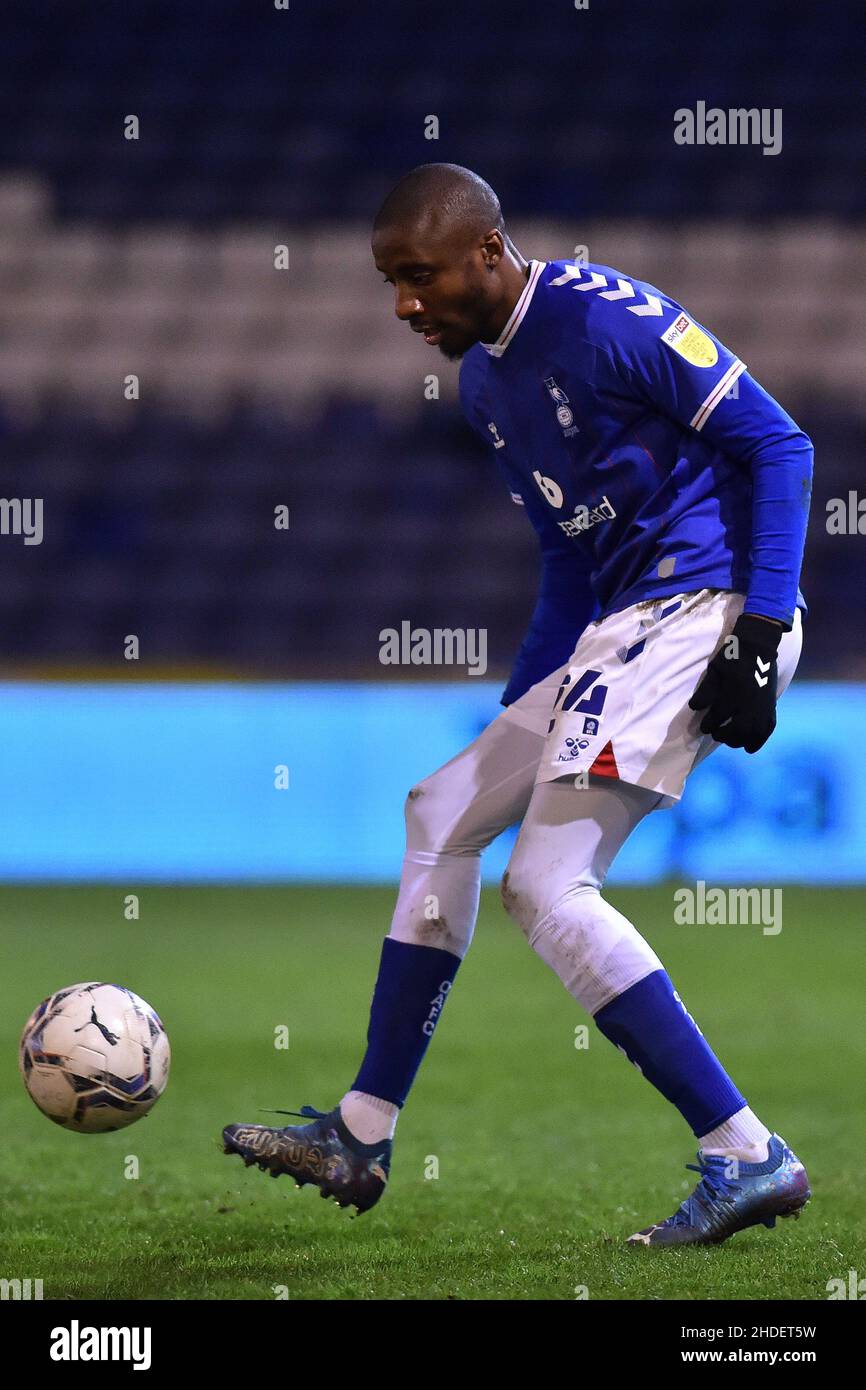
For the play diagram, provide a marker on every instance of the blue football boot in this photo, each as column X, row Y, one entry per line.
column 732, row 1196
column 323, row 1153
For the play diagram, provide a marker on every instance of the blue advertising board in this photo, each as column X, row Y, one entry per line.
column 185, row 782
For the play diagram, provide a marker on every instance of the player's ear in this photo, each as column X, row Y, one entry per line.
column 492, row 248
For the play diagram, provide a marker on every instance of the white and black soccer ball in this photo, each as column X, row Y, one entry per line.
column 94, row 1057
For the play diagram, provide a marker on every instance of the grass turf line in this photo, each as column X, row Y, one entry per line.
column 548, row 1155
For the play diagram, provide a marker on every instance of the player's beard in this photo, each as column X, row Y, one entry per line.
column 451, row 355
column 475, row 309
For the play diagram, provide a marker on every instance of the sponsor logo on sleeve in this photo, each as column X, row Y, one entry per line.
column 691, row 342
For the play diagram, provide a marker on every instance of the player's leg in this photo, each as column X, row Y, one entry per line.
column 568, row 839
column 552, row 887
column 451, row 817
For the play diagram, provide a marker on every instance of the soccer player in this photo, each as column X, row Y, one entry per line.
column 670, row 495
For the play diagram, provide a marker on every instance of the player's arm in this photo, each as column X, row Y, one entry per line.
column 700, row 383
column 753, row 428
column 738, row 692
column 564, row 606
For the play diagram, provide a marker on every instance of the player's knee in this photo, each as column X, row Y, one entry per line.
column 508, row 893
column 523, row 888
column 436, row 821
column 523, row 895
column 530, row 893
column 423, row 814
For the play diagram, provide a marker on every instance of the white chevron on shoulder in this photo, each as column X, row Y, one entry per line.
column 594, row 281
column 573, row 273
column 625, row 291
column 653, row 306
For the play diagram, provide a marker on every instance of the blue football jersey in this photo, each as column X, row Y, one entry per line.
column 646, row 457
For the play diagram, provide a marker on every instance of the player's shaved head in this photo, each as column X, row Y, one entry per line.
column 445, row 194
column 439, row 238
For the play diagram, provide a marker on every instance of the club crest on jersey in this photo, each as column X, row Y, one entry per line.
column 691, row 342
column 564, row 413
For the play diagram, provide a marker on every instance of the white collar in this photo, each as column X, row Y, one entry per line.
column 496, row 349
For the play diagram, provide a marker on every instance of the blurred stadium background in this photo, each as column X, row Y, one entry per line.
column 260, row 387
column 259, row 648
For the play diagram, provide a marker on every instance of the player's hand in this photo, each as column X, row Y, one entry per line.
column 738, row 691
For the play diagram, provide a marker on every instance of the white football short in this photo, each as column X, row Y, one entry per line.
column 624, row 711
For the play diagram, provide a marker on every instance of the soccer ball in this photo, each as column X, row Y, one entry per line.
column 94, row 1057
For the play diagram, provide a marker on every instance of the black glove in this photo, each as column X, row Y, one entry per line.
column 739, row 691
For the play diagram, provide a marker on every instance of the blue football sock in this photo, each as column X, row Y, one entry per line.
column 411, row 988
column 651, row 1026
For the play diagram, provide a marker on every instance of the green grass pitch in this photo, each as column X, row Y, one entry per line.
column 548, row 1155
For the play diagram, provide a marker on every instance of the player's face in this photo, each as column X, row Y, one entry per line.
column 441, row 286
